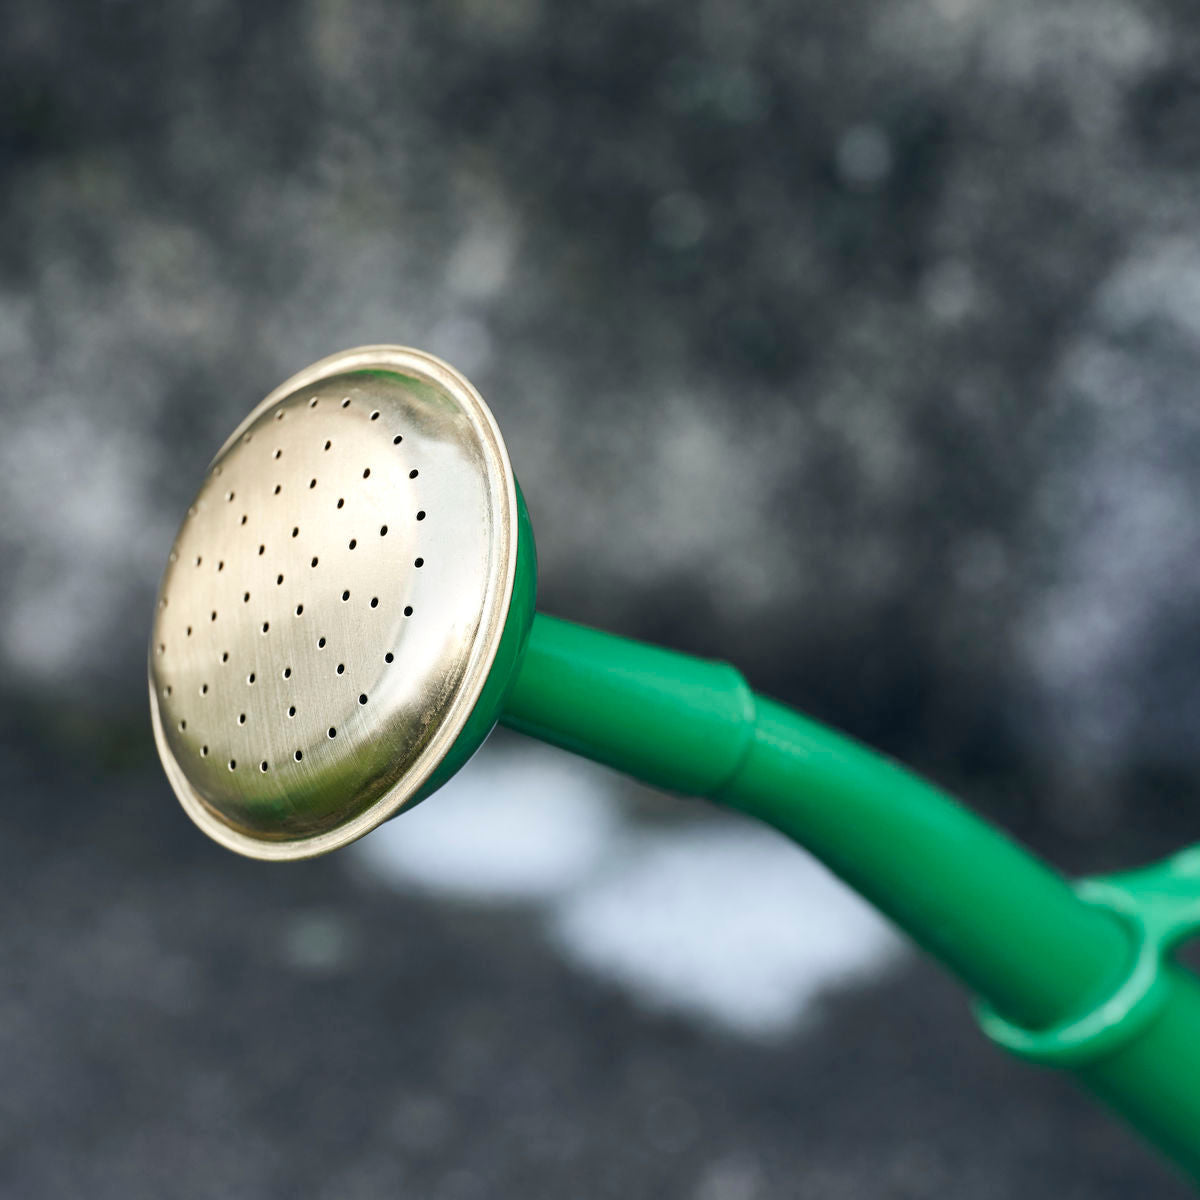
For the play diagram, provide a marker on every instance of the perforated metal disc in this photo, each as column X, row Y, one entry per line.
column 333, row 602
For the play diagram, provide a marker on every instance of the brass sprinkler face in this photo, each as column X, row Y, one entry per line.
column 330, row 637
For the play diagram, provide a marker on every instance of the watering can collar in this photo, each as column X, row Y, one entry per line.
column 1159, row 907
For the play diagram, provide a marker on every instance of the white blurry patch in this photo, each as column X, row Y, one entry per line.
column 1121, row 504
column 694, row 510
column 1087, row 52
column 72, row 498
column 318, row 943
column 955, row 10
column 509, row 22
column 512, row 825
column 864, row 157
column 1159, row 283
column 463, row 341
column 483, row 257
column 734, row 1177
column 728, row 923
column 1032, row 39
column 724, row 922
column 949, row 291
column 1126, row 505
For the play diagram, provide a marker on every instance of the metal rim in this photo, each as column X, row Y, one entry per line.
column 494, row 611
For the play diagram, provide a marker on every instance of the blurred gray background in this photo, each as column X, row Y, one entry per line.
column 855, row 342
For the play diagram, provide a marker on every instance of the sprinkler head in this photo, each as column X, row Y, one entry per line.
column 343, row 607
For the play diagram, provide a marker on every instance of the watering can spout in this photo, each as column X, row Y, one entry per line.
column 348, row 609
column 1078, row 976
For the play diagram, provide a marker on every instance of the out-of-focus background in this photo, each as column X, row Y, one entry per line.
column 855, row 342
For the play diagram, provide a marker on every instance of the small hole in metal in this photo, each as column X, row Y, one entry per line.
column 229, row 497
column 312, row 483
column 383, row 531
column 340, row 503
column 292, row 711
column 397, row 439
column 374, row 601
column 278, row 580
column 314, row 561
column 313, row 402
column 328, row 444
column 278, row 453
column 189, row 631
column 246, row 598
column 375, row 415
column 320, row 643
column 251, row 677
column 243, row 518
column 408, row 610
column 367, row 473
column 162, row 648
column 287, row 672
column 332, row 732
column 346, row 594
column 182, row 726
column 225, row 656
column 299, row 609
column 413, row 473
column 204, row 689
column 262, row 549
column 362, row 698
column 420, row 562
column 221, row 565
column 346, row 402
column 241, row 718
column 295, row 531
column 233, row 764
column 298, row 755
column 213, row 615
column 421, row 515
column 279, row 415
column 266, row 625
column 278, row 488
column 353, row 543
column 341, row 667
column 167, row 690
column 203, row 751
column 389, row 657
column 262, row 766
column 198, row 560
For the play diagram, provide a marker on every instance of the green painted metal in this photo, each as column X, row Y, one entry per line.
column 1078, row 976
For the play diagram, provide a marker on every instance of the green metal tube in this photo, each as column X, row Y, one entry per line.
column 1007, row 925
column 1010, row 927
column 1154, row 1080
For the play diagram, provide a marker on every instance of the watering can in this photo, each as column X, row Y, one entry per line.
column 348, row 610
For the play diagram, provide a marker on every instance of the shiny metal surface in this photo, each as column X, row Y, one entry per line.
column 333, row 602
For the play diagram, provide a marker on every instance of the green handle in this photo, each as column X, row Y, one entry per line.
column 1061, row 970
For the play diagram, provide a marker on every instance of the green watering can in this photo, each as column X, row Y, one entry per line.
column 348, row 610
